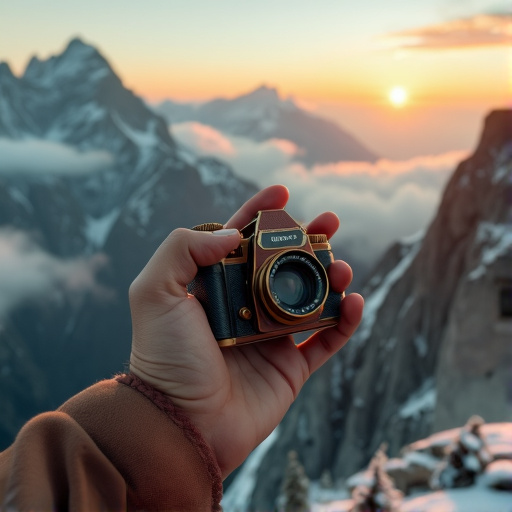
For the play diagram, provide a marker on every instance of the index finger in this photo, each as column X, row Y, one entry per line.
column 270, row 198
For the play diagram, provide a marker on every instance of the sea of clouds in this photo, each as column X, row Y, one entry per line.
column 28, row 272
column 49, row 158
column 378, row 203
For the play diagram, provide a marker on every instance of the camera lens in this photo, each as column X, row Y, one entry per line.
column 292, row 287
column 295, row 286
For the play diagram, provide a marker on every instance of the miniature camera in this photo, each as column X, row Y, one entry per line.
column 273, row 284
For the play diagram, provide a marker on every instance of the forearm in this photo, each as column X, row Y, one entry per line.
column 117, row 445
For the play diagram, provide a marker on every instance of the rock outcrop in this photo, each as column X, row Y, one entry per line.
column 434, row 345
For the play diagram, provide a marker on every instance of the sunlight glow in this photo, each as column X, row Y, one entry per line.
column 398, row 96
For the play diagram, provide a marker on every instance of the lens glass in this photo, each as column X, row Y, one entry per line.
column 290, row 286
column 297, row 283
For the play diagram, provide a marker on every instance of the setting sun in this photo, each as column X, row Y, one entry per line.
column 398, row 96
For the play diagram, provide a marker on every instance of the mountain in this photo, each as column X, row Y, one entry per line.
column 434, row 345
column 63, row 212
column 262, row 115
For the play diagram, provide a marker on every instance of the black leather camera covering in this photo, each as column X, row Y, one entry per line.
column 332, row 304
column 222, row 290
column 209, row 288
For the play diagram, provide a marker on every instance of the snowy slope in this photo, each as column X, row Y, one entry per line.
column 481, row 497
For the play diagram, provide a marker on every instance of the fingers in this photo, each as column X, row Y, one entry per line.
column 340, row 276
column 273, row 198
column 326, row 223
column 270, row 198
column 323, row 344
column 175, row 262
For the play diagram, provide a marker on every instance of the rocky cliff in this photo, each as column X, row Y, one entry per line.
column 434, row 345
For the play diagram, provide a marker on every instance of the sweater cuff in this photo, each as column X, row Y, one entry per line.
column 165, row 404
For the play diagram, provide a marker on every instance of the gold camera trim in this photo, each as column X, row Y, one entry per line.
column 277, row 312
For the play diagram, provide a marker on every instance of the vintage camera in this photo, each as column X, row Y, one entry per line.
column 274, row 283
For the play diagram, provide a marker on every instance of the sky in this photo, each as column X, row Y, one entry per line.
column 339, row 59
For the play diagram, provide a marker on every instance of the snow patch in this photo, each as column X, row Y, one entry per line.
column 501, row 172
column 141, row 139
column 497, row 474
column 422, row 400
column 238, row 494
column 20, row 198
column 497, row 240
column 421, row 344
column 378, row 296
column 423, row 460
column 98, row 229
column 140, row 203
column 405, row 307
column 413, row 239
column 319, row 494
column 212, row 174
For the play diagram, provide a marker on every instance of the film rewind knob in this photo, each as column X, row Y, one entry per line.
column 318, row 239
column 209, row 226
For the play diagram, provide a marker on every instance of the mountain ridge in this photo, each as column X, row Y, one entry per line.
column 262, row 115
column 117, row 215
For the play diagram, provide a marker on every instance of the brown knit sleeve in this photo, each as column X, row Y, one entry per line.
column 118, row 445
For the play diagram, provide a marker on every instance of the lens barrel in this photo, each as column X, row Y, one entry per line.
column 293, row 286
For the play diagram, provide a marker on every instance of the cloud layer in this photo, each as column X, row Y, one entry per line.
column 377, row 203
column 475, row 31
column 27, row 272
column 44, row 157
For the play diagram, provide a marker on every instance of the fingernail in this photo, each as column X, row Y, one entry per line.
column 226, row 232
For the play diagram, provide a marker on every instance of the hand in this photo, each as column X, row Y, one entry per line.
column 235, row 396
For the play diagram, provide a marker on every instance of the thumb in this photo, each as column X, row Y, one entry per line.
column 175, row 262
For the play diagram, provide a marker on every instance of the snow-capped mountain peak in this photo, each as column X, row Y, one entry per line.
column 77, row 59
column 266, row 97
column 263, row 114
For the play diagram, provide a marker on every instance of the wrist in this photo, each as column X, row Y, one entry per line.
column 183, row 422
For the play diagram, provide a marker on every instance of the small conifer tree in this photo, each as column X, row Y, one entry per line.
column 380, row 494
column 295, row 486
column 326, row 480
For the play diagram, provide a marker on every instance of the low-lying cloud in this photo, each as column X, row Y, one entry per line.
column 377, row 203
column 480, row 30
column 29, row 273
column 43, row 157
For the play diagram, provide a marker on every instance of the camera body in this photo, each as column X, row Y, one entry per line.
column 275, row 283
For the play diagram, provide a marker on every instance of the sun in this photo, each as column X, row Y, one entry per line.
column 398, row 96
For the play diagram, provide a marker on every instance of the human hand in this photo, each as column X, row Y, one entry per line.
column 235, row 396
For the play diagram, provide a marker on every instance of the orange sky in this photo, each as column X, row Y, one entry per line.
column 340, row 59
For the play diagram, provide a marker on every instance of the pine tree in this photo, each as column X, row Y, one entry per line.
column 295, row 486
column 326, row 480
column 465, row 459
column 380, row 494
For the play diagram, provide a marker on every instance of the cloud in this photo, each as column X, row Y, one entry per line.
column 43, row 157
column 255, row 158
column 27, row 272
column 480, row 30
column 377, row 203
